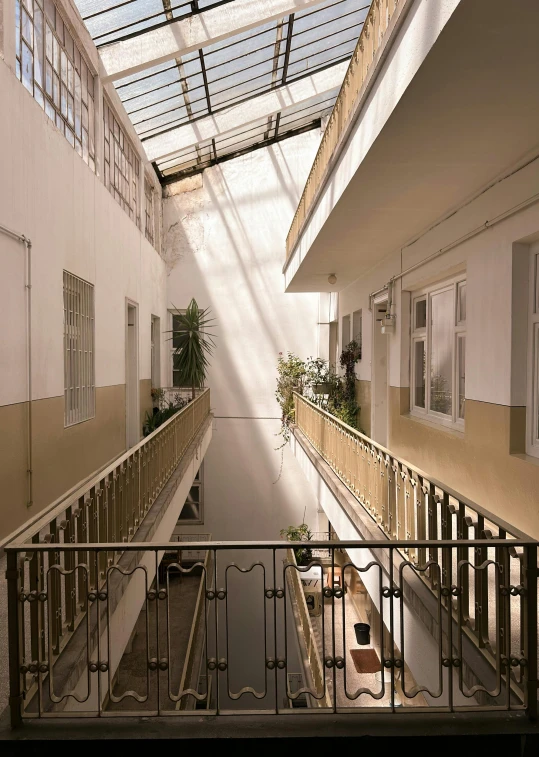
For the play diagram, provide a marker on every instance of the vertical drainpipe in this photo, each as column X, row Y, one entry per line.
column 28, row 287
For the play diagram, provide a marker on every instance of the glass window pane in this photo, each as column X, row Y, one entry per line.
column 18, row 29
column 420, row 369
column 461, row 302
column 441, row 352
column 27, row 28
column 420, row 314
column 175, row 327
column 56, row 90
column 461, row 357
column 27, row 68
column 38, row 47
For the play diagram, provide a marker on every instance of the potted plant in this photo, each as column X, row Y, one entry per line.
column 318, row 376
column 192, row 345
column 304, row 555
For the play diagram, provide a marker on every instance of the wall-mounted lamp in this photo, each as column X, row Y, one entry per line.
column 332, row 278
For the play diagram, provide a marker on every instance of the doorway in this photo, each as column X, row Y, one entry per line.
column 132, row 410
column 380, row 362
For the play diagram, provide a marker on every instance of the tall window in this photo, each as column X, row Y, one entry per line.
column 532, row 446
column 122, row 166
column 148, row 208
column 357, row 329
column 54, row 71
column 439, row 352
column 79, row 369
column 174, row 326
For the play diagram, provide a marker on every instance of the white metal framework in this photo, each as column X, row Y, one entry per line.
column 79, row 361
column 206, row 81
column 438, row 352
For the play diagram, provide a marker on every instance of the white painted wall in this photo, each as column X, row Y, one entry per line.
column 496, row 328
column 224, row 240
column 49, row 194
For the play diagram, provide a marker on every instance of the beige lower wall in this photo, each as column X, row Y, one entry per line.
column 363, row 399
column 61, row 456
column 482, row 463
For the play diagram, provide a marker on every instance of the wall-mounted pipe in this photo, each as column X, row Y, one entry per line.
column 474, row 232
column 28, row 287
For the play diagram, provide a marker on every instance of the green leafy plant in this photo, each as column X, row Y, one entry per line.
column 304, row 555
column 166, row 410
column 158, row 397
column 291, row 375
column 342, row 399
column 193, row 343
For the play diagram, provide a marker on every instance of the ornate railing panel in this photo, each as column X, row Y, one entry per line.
column 246, row 621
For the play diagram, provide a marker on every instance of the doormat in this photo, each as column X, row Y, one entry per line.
column 365, row 660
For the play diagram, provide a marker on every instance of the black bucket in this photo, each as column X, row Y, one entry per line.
column 363, row 633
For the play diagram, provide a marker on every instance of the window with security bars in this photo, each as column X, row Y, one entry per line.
column 53, row 70
column 79, row 360
column 148, row 207
column 122, row 165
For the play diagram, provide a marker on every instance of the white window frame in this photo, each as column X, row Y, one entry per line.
column 532, row 410
column 424, row 334
column 79, row 350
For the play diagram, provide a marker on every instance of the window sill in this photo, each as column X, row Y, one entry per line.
column 436, row 425
column 526, row 457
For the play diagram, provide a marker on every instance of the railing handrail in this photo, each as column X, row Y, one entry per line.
column 371, row 25
column 491, row 517
column 241, row 545
column 63, row 502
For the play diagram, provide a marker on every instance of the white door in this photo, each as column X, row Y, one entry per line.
column 380, row 361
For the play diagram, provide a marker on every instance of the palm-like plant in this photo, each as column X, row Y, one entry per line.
column 193, row 343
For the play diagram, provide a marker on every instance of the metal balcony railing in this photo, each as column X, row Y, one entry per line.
column 409, row 505
column 377, row 22
column 245, row 626
column 111, row 507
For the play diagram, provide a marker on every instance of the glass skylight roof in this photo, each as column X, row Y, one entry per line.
column 206, row 81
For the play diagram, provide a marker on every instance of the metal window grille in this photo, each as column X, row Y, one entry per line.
column 148, row 197
column 122, row 165
column 79, row 356
column 53, row 70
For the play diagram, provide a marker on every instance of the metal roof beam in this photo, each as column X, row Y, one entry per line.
column 254, row 109
column 121, row 59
